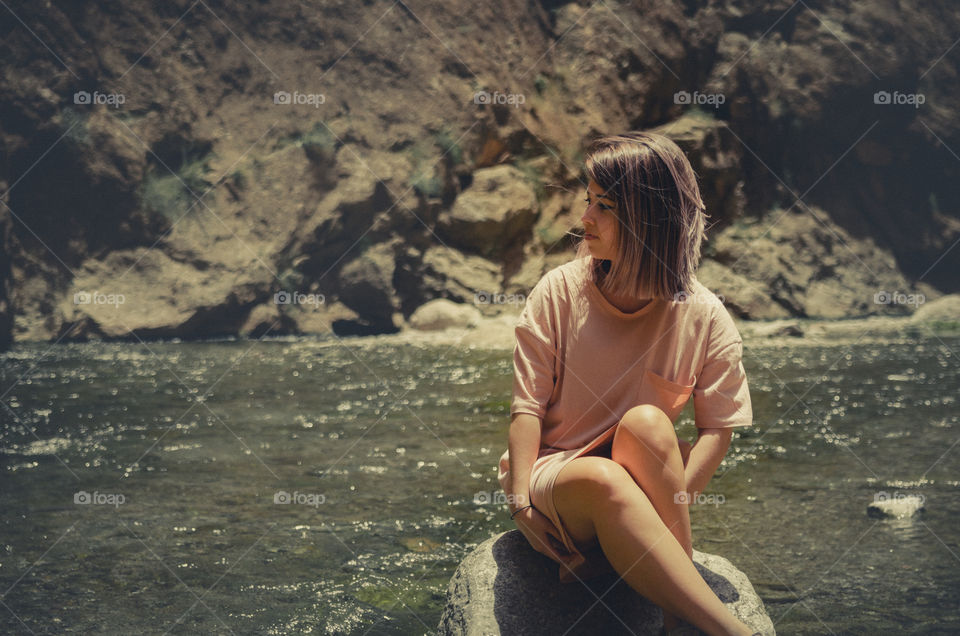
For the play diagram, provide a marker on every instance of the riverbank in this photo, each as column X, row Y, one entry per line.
column 938, row 318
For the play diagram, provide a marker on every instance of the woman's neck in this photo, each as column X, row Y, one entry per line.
column 626, row 304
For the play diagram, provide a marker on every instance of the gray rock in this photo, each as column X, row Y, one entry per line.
column 441, row 314
column 945, row 309
column 145, row 292
column 496, row 211
column 744, row 297
column 505, row 587
column 458, row 276
column 778, row 328
column 267, row 319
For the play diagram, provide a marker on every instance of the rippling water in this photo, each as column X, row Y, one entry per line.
column 382, row 450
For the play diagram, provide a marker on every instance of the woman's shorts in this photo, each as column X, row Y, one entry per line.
column 544, row 474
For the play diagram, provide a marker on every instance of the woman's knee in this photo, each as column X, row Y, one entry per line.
column 647, row 427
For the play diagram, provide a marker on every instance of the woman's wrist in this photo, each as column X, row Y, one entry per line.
column 516, row 500
column 520, row 509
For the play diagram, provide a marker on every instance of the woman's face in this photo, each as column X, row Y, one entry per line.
column 600, row 223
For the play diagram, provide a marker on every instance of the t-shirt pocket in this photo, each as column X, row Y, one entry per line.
column 670, row 397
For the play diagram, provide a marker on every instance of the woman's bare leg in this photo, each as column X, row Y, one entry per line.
column 647, row 446
column 598, row 501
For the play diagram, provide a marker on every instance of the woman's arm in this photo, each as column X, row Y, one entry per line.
column 705, row 457
column 524, row 447
column 535, row 526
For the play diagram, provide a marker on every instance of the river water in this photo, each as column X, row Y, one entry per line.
column 143, row 485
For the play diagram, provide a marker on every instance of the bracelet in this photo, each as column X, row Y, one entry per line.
column 521, row 508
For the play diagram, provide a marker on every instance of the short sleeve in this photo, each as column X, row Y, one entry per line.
column 721, row 396
column 535, row 354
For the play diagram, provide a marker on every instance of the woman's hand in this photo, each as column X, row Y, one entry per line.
column 542, row 535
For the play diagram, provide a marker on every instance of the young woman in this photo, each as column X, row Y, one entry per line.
column 610, row 346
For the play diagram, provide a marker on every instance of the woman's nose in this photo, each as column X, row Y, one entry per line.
column 587, row 216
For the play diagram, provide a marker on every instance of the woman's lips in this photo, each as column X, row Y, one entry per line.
column 589, row 237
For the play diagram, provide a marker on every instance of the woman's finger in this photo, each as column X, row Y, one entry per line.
column 546, row 544
column 557, row 544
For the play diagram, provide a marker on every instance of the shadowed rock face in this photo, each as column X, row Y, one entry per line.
column 6, row 311
column 135, row 126
column 505, row 587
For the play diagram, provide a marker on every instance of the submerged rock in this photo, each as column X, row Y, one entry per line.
column 902, row 507
column 505, row 587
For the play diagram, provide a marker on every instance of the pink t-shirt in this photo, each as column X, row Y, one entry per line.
column 580, row 363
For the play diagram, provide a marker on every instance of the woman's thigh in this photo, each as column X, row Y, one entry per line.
column 579, row 487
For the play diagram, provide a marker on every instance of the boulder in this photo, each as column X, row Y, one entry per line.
column 505, row 587
column 267, row 319
column 441, row 314
column 144, row 293
column 744, row 297
column 319, row 319
column 943, row 310
column 495, row 212
column 443, row 272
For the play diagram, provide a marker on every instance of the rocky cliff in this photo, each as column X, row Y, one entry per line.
column 201, row 168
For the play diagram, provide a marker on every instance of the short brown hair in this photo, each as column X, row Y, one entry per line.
column 660, row 212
